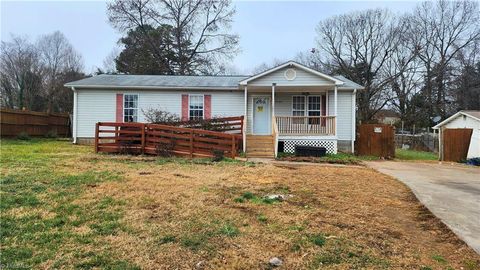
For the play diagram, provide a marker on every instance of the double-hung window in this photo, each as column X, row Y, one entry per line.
column 130, row 108
column 298, row 108
column 195, row 107
column 314, row 103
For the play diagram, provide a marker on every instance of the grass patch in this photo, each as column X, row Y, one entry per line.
column 249, row 196
column 318, row 239
column 64, row 207
column 404, row 154
column 339, row 158
column 167, row 239
column 262, row 218
column 229, row 230
column 439, row 258
column 41, row 207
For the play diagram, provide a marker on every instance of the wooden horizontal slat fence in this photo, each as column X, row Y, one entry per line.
column 155, row 139
column 14, row 122
column 232, row 125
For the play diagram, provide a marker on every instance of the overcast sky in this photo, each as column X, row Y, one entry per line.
column 268, row 30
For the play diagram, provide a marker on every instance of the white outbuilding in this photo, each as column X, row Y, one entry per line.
column 463, row 120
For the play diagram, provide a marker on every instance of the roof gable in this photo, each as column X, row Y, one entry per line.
column 472, row 114
column 303, row 76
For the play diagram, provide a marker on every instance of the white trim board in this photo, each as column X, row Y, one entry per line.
column 294, row 64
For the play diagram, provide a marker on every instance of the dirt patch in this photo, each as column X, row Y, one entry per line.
column 181, row 215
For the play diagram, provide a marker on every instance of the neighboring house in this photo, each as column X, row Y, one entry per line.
column 288, row 105
column 386, row 116
column 463, row 119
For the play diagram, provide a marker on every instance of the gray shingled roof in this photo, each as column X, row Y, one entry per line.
column 159, row 81
column 347, row 83
column 174, row 81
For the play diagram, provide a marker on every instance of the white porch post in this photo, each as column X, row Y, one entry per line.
column 74, row 118
column 335, row 110
column 354, row 122
column 245, row 116
column 273, row 98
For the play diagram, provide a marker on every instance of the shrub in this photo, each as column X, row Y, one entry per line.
column 23, row 136
column 157, row 116
column 218, row 155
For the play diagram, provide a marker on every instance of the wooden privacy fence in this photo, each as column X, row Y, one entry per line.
column 376, row 140
column 155, row 139
column 455, row 143
column 14, row 122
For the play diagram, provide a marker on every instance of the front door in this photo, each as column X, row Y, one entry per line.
column 261, row 116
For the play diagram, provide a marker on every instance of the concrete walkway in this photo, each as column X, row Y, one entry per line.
column 449, row 191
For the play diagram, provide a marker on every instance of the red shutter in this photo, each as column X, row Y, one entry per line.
column 185, row 108
column 324, row 109
column 207, row 102
column 119, row 109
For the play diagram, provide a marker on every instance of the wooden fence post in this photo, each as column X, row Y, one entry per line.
column 234, row 149
column 191, row 143
column 143, row 139
column 96, row 137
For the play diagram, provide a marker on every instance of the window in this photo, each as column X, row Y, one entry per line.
column 298, row 106
column 314, row 109
column 130, row 108
column 195, row 105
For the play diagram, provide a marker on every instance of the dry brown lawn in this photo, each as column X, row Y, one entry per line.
column 181, row 215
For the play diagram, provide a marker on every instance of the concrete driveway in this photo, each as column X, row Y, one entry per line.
column 449, row 191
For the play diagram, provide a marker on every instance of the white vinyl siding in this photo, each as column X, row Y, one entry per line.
column 303, row 78
column 100, row 105
column 344, row 110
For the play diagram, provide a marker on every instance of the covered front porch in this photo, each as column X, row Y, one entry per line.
column 290, row 115
column 290, row 105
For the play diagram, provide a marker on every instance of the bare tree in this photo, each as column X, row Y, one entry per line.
column 109, row 65
column 20, row 75
column 358, row 45
column 199, row 30
column 266, row 66
column 440, row 31
column 58, row 57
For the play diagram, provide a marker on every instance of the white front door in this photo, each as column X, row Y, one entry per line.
column 261, row 116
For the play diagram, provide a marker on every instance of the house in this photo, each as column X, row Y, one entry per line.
column 285, row 106
column 462, row 120
column 387, row 116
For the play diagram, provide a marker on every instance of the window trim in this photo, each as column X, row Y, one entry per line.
column 138, row 106
column 304, row 104
column 308, row 103
column 203, row 105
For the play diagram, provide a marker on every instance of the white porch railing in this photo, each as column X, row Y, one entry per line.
column 306, row 125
